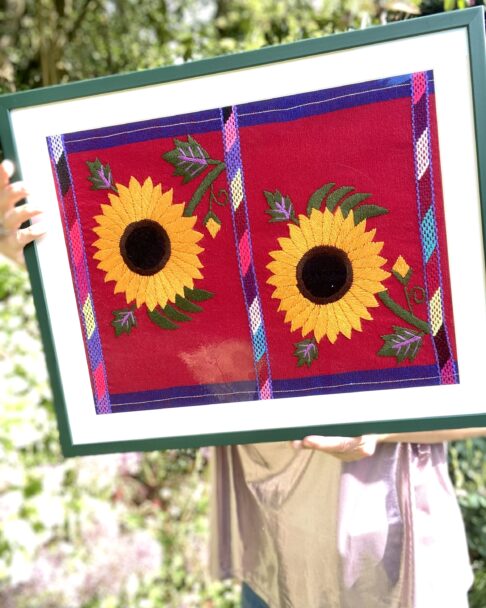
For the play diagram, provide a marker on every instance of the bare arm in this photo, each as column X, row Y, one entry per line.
column 349, row 449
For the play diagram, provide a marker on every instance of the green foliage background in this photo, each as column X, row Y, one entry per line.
column 131, row 530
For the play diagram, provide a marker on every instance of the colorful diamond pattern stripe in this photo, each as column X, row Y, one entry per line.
column 428, row 232
column 241, row 226
column 79, row 268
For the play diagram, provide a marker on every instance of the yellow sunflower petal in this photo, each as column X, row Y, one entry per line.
column 283, row 256
column 332, row 331
column 353, row 319
column 336, row 227
column 151, row 294
column 189, row 258
column 368, row 286
column 124, row 196
column 297, row 309
column 104, row 254
column 370, row 249
column 170, row 215
column 113, row 235
column 187, row 269
column 109, row 263
column 306, row 229
column 344, row 326
column 122, row 283
column 358, row 308
column 316, row 218
column 298, row 239
column 154, row 202
column 300, row 318
column 357, row 241
column 175, row 281
column 347, row 228
column 116, row 272
column 320, row 328
column 282, row 280
column 125, row 214
column 290, row 301
column 371, row 274
column 146, row 197
column 188, row 236
column 280, row 268
column 107, row 222
column 285, row 292
column 327, row 223
column 108, row 211
column 164, row 291
column 372, row 262
column 309, row 325
column 288, row 246
column 142, row 290
column 364, row 295
column 132, row 287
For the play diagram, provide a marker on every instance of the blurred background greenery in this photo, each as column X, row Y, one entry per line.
column 130, row 531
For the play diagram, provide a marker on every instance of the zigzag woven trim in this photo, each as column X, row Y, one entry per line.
column 244, row 252
column 79, row 269
column 428, row 227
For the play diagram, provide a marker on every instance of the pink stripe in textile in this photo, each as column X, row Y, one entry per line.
column 99, row 381
column 419, row 86
column 447, row 373
column 266, row 391
column 230, row 133
column 244, row 251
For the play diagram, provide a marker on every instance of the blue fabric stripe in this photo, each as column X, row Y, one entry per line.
column 172, row 126
column 259, row 343
column 272, row 110
column 203, row 394
column 429, row 238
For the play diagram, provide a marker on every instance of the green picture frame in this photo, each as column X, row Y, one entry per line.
column 466, row 28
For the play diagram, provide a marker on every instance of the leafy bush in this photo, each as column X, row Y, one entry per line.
column 111, row 531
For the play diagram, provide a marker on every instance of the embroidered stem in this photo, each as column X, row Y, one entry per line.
column 402, row 313
column 409, row 303
column 203, row 186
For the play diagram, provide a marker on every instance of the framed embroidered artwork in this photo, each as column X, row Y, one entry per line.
column 259, row 247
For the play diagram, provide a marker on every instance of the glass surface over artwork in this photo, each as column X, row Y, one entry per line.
column 286, row 247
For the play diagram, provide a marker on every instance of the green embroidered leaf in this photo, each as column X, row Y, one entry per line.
column 316, row 200
column 306, row 352
column 198, row 295
column 187, row 306
column 367, row 211
column 100, row 176
column 281, row 207
column 124, row 321
column 352, row 201
column 161, row 321
column 189, row 158
column 338, row 194
column 404, row 344
column 174, row 314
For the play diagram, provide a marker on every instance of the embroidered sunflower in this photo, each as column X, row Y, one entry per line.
column 146, row 245
column 326, row 274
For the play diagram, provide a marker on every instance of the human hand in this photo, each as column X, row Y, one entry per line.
column 13, row 238
column 346, row 449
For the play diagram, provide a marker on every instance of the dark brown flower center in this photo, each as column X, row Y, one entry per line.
column 324, row 274
column 145, row 247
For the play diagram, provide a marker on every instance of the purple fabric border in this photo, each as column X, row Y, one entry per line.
column 204, row 394
column 259, row 112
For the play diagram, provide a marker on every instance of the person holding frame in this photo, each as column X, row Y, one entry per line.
column 368, row 521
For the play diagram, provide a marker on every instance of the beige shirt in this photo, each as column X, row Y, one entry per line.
column 305, row 531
